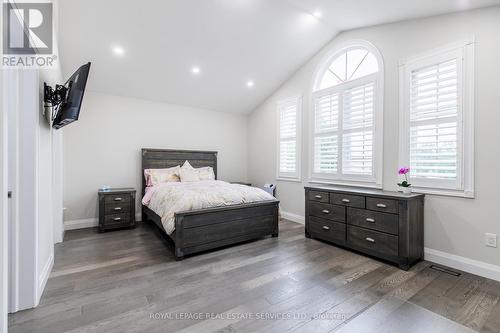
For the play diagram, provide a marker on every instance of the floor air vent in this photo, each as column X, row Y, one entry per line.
column 445, row 270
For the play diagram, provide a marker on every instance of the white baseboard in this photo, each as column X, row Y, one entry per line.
column 80, row 224
column 464, row 264
column 87, row 223
column 293, row 217
column 44, row 276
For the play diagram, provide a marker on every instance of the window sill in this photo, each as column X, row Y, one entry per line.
column 345, row 183
column 284, row 179
column 444, row 193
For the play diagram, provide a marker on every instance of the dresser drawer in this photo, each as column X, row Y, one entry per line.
column 373, row 220
column 122, row 218
column 327, row 230
column 347, row 200
column 327, row 211
column 116, row 208
column 116, row 198
column 382, row 205
column 319, row 196
column 373, row 241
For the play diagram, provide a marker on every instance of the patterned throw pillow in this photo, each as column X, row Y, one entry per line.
column 188, row 173
column 158, row 176
column 206, row 173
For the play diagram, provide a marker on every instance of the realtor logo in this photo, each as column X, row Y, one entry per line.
column 27, row 28
column 27, row 35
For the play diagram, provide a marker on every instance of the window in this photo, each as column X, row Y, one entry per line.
column 289, row 128
column 436, row 115
column 347, row 118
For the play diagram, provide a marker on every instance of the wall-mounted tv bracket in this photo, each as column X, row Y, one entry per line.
column 53, row 99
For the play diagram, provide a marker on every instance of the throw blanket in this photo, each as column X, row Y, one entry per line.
column 167, row 199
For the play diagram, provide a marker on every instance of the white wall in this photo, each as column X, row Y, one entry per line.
column 452, row 225
column 104, row 146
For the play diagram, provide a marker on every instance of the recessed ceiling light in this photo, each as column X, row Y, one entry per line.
column 317, row 14
column 118, row 50
column 250, row 84
column 195, row 70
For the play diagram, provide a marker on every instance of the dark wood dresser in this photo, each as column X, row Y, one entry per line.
column 387, row 225
column 116, row 208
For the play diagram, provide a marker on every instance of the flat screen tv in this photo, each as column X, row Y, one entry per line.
column 69, row 110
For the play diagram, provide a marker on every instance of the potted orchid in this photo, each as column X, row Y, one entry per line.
column 404, row 186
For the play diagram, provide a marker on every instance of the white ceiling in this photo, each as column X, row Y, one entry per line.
column 231, row 41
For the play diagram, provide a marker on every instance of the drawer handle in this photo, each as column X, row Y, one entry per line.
column 117, row 219
column 382, row 205
column 118, row 199
column 368, row 219
column 346, row 200
column 325, row 211
column 369, row 239
column 118, row 208
column 325, row 227
column 317, row 196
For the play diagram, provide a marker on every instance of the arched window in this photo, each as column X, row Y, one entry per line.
column 347, row 117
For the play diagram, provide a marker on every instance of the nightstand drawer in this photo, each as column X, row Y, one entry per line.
column 347, row 200
column 116, row 208
column 117, row 198
column 373, row 241
column 327, row 230
column 373, row 220
column 319, row 196
column 123, row 218
column 382, row 205
column 327, row 211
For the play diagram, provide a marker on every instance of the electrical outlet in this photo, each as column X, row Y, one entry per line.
column 490, row 240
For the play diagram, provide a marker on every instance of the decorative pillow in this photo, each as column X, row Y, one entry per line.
column 206, row 173
column 188, row 173
column 158, row 176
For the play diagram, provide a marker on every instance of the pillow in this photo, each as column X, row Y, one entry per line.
column 188, row 173
column 158, row 176
column 206, row 173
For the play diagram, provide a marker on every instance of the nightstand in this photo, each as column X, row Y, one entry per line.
column 116, row 208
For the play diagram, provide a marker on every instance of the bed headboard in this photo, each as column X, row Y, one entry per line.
column 166, row 158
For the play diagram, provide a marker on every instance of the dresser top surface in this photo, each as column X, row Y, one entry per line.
column 366, row 192
column 117, row 190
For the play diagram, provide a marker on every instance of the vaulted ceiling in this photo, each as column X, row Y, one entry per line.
column 148, row 49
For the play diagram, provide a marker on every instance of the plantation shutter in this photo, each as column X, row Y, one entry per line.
column 434, row 121
column 326, row 126
column 288, row 138
column 357, row 139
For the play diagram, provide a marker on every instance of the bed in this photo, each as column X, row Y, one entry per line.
column 208, row 228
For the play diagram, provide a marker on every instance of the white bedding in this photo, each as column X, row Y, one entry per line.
column 169, row 198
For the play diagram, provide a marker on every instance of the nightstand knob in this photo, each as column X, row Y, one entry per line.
column 380, row 205
column 117, row 219
column 118, row 208
column 118, row 199
column 346, row 200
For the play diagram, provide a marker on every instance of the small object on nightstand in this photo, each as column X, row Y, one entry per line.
column 116, row 208
column 242, row 183
column 270, row 188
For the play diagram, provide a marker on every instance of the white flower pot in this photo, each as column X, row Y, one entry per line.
column 405, row 190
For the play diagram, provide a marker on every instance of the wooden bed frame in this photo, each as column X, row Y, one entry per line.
column 210, row 228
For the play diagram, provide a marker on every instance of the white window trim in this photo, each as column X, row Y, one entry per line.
column 284, row 176
column 378, row 121
column 466, row 116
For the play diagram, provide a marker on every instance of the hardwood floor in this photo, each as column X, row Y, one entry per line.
column 128, row 281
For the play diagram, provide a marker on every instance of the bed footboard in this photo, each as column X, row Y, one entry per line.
column 206, row 229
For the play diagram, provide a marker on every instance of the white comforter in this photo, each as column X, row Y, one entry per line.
column 169, row 198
